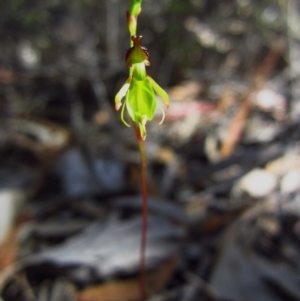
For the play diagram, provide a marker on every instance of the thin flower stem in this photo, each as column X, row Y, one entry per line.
column 144, row 192
column 134, row 10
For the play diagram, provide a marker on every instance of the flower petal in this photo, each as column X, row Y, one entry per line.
column 122, row 116
column 163, row 114
column 159, row 91
column 121, row 94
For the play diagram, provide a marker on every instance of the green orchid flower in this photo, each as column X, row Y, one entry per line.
column 139, row 89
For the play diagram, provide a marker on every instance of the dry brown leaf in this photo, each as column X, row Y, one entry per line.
column 8, row 249
column 129, row 290
column 237, row 124
column 236, row 128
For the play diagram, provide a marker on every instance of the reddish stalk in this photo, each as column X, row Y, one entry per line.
column 144, row 192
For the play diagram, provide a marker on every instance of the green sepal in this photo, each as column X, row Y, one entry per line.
column 140, row 100
column 141, row 103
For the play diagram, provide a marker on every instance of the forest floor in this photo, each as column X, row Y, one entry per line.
column 223, row 168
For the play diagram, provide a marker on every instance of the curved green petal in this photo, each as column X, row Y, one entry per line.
column 122, row 116
column 121, row 94
column 159, row 90
column 163, row 114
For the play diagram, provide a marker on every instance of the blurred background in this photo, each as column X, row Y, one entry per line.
column 223, row 169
